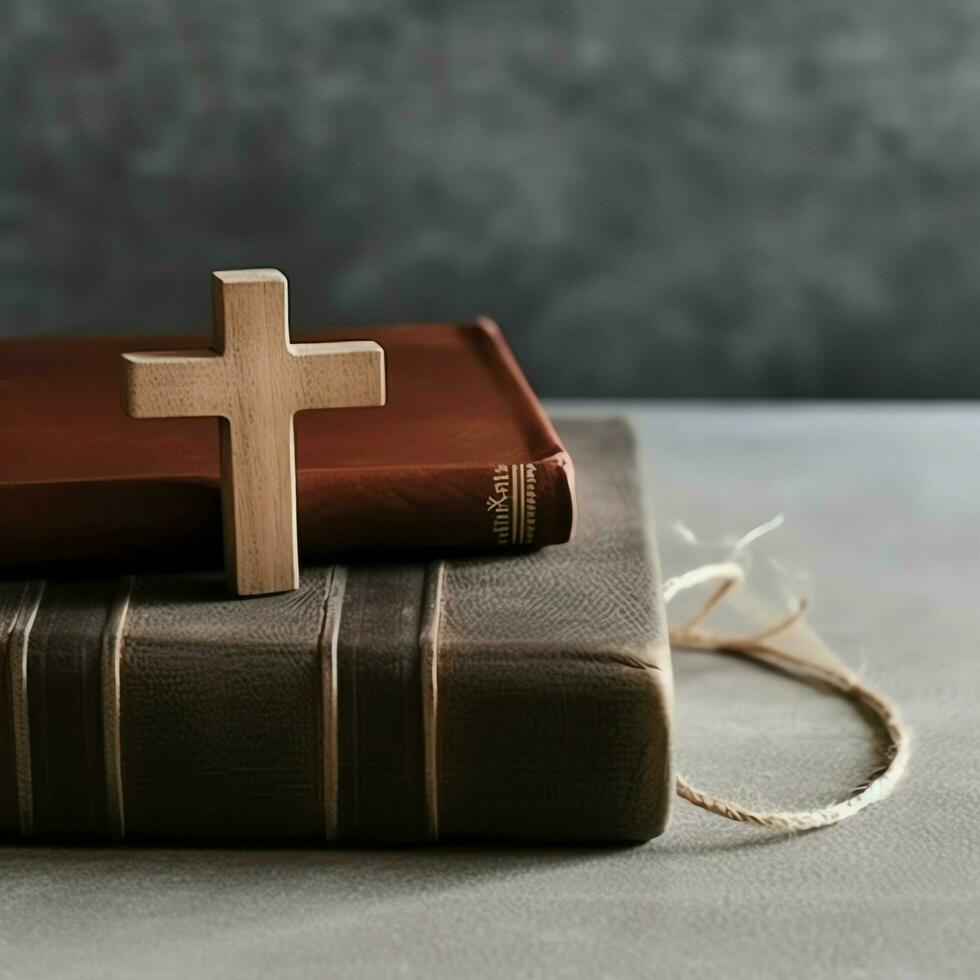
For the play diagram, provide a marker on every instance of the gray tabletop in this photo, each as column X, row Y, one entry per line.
column 882, row 507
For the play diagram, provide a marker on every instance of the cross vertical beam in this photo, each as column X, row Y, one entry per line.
column 254, row 380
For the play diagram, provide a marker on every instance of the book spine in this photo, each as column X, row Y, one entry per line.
column 500, row 505
column 339, row 511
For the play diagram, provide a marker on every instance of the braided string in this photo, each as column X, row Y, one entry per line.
column 692, row 635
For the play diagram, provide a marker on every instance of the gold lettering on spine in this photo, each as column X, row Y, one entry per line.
column 513, row 503
column 498, row 503
column 519, row 498
column 530, row 502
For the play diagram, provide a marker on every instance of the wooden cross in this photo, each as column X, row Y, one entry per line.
column 255, row 380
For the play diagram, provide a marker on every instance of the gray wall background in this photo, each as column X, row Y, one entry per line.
column 653, row 197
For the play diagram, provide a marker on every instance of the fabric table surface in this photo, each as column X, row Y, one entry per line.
column 882, row 508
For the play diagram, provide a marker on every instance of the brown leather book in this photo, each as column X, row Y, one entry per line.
column 520, row 696
column 462, row 456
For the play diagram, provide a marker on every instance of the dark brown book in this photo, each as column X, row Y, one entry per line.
column 514, row 696
column 462, row 456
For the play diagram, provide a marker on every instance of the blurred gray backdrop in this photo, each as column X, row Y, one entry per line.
column 653, row 197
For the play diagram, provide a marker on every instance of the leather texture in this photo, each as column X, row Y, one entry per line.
column 221, row 728
column 518, row 696
column 83, row 485
column 11, row 599
column 64, row 660
column 381, row 787
column 555, row 723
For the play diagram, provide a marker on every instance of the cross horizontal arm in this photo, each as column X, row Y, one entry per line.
column 342, row 374
column 163, row 384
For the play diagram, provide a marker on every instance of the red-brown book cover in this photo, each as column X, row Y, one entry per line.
column 462, row 456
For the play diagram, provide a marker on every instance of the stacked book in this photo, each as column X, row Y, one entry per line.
column 477, row 649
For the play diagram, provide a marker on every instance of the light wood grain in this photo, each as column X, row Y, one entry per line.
column 255, row 380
